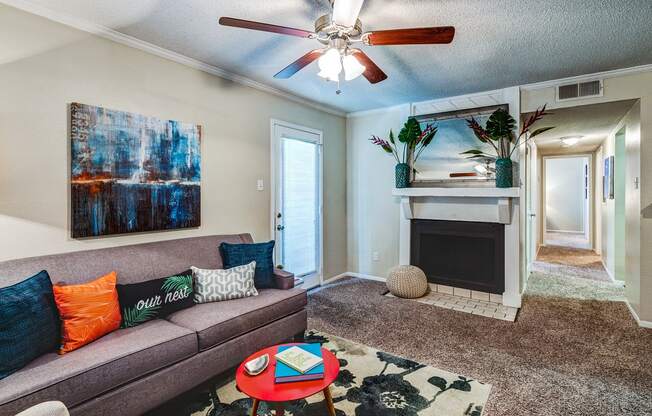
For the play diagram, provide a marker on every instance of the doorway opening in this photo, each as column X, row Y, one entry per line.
column 567, row 207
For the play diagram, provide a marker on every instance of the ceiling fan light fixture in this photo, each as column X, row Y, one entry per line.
column 331, row 61
column 330, row 65
column 352, row 67
column 570, row 141
column 334, row 76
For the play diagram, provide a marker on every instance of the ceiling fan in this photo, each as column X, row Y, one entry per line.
column 338, row 31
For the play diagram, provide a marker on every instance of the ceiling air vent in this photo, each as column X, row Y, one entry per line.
column 579, row 90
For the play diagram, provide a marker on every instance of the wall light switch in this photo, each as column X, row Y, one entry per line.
column 636, row 180
column 375, row 256
column 259, row 185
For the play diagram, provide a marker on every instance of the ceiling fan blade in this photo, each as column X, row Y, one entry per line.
column 345, row 12
column 264, row 27
column 372, row 72
column 299, row 64
column 416, row 36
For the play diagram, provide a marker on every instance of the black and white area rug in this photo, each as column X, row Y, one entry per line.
column 371, row 382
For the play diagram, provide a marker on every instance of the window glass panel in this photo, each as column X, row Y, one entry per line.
column 300, row 204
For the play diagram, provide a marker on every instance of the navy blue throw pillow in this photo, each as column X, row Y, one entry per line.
column 262, row 253
column 29, row 322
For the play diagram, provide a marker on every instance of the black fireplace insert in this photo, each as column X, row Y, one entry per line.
column 469, row 255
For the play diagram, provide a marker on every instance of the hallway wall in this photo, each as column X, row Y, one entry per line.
column 625, row 268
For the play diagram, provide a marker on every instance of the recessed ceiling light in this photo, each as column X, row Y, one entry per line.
column 569, row 141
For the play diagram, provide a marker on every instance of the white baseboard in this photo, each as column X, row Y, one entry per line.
column 368, row 277
column 336, row 278
column 606, row 269
column 642, row 324
column 358, row 275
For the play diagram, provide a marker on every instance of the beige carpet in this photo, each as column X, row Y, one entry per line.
column 571, row 262
column 562, row 356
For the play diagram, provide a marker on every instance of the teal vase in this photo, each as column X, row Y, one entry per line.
column 402, row 175
column 504, row 173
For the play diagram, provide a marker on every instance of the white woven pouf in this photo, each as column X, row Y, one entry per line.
column 407, row 282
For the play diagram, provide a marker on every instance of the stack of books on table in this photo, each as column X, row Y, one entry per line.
column 299, row 363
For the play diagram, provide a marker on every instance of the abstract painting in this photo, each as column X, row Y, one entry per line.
column 132, row 173
column 608, row 179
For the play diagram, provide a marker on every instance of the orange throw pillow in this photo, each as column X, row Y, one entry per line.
column 88, row 311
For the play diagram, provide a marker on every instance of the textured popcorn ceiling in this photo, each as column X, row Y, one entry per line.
column 498, row 43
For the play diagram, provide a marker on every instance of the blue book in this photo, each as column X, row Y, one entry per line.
column 286, row 374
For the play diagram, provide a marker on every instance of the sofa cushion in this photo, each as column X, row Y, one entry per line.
column 88, row 311
column 144, row 301
column 217, row 285
column 262, row 253
column 219, row 322
column 29, row 322
column 111, row 361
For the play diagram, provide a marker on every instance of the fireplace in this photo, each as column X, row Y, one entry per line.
column 464, row 254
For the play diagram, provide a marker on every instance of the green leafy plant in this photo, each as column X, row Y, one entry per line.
column 173, row 283
column 134, row 316
column 411, row 136
column 499, row 133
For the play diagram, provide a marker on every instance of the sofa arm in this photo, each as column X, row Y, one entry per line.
column 284, row 280
column 46, row 409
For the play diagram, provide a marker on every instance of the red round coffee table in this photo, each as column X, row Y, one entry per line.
column 263, row 388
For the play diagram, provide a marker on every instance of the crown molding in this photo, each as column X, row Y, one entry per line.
column 363, row 113
column 113, row 35
column 588, row 77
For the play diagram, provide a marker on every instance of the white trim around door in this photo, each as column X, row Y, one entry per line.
column 589, row 213
column 278, row 129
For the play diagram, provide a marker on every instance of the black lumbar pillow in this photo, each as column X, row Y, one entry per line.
column 140, row 302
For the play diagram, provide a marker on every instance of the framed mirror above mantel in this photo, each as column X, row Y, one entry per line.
column 442, row 164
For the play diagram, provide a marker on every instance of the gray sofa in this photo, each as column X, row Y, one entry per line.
column 130, row 371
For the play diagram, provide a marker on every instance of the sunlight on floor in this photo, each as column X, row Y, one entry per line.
column 574, row 240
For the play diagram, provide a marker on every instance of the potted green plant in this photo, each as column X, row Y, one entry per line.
column 499, row 133
column 414, row 140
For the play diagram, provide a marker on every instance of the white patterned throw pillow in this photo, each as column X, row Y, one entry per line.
column 224, row 284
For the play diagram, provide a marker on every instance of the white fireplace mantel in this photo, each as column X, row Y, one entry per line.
column 497, row 205
column 485, row 192
column 463, row 204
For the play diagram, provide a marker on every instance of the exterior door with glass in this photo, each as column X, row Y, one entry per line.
column 297, row 201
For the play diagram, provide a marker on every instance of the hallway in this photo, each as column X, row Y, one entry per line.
column 572, row 273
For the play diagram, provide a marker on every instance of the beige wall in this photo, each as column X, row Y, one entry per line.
column 639, row 164
column 44, row 66
column 632, row 124
column 373, row 213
